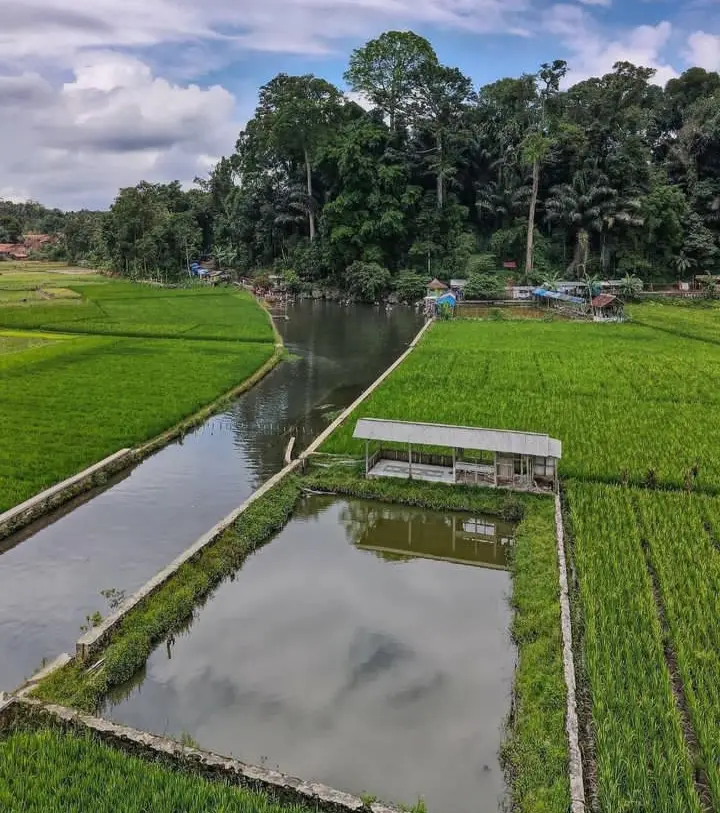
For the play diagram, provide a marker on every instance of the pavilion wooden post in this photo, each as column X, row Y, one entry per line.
column 454, row 474
column 495, row 473
column 367, row 457
column 410, row 461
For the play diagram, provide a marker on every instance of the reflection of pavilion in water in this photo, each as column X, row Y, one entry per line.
column 395, row 534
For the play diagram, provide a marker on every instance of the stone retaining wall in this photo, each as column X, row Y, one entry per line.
column 21, row 515
column 577, row 788
column 286, row 789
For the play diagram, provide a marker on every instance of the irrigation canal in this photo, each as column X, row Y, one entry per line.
column 345, row 652
column 51, row 574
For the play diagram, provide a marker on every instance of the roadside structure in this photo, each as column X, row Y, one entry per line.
column 523, row 461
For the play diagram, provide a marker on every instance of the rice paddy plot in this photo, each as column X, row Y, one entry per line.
column 69, row 403
column 642, row 761
column 131, row 309
column 680, row 533
column 626, row 400
column 697, row 320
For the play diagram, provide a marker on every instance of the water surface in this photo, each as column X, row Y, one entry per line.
column 52, row 574
column 342, row 654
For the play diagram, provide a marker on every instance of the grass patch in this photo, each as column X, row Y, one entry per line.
column 173, row 604
column 69, row 403
column 48, row 771
column 432, row 496
column 535, row 754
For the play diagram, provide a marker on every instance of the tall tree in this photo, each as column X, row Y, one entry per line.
column 385, row 70
column 295, row 116
column 537, row 145
column 439, row 109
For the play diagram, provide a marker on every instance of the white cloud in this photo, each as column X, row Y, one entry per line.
column 116, row 120
column 112, row 125
column 39, row 29
column 703, row 51
column 594, row 52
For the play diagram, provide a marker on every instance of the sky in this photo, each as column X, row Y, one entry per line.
column 100, row 94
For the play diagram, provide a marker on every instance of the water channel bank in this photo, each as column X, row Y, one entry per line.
column 366, row 647
column 51, row 575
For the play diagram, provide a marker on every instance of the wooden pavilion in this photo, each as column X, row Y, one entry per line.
column 498, row 458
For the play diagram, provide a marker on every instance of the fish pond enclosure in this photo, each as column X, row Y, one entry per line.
column 367, row 647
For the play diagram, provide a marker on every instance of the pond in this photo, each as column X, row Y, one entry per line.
column 52, row 573
column 367, row 647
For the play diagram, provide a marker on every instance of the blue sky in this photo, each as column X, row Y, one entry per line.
column 109, row 92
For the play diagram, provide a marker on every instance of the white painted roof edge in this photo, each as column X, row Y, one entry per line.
column 465, row 437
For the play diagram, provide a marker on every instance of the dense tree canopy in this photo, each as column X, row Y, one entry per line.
column 613, row 176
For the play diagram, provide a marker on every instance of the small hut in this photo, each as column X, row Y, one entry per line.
column 607, row 308
column 436, row 288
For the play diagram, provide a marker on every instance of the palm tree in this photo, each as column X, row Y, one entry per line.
column 535, row 151
column 591, row 284
column 630, row 286
column 583, row 208
column 551, row 281
column 499, row 201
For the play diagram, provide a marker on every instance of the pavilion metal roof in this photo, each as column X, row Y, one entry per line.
column 543, row 292
column 458, row 437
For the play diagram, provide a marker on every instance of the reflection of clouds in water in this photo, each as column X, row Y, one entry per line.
column 337, row 667
column 372, row 653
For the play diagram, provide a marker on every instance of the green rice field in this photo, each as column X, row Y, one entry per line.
column 133, row 309
column 118, row 365
column 47, row 771
column 629, row 402
column 695, row 320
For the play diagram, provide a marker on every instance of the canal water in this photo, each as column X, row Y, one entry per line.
column 367, row 647
column 52, row 573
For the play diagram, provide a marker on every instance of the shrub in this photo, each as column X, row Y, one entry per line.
column 483, row 286
column 368, row 282
column 409, row 286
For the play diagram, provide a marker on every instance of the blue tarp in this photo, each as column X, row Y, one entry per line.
column 446, row 299
column 543, row 292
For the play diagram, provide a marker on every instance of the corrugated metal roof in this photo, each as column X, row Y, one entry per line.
column 458, row 437
column 543, row 292
column 603, row 300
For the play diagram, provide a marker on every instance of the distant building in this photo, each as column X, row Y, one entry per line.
column 436, row 288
